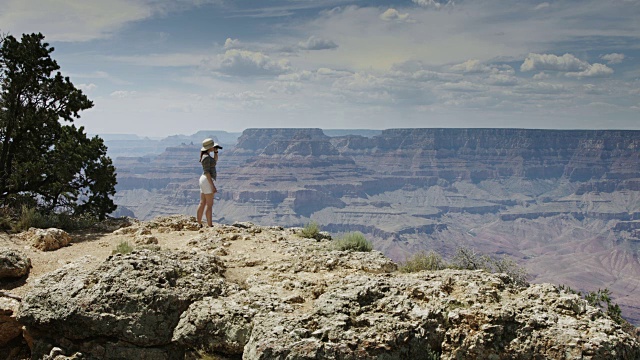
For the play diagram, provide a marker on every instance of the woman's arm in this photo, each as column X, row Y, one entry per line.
column 215, row 162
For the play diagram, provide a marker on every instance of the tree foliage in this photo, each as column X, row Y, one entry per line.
column 45, row 160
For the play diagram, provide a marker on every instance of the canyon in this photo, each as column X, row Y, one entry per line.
column 564, row 204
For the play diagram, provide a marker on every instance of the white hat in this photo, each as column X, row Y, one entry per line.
column 208, row 144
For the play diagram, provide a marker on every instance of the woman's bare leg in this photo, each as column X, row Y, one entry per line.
column 203, row 201
column 209, row 208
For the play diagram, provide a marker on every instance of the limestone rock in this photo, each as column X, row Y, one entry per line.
column 144, row 239
column 480, row 316
column 243, row 224
column 175, row 223
column 162, row 224
column 46, row 239
column 216, row 326
column 10, row 328
column 126, row 230
column 12, row 343
column 58, row 354
column 125, row 308
column 13, row 264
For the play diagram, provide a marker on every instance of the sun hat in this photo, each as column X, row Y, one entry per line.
column 208, row 144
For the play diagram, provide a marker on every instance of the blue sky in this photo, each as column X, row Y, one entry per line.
column 156, row 67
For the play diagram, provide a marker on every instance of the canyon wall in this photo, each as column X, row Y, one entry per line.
column 563, row 203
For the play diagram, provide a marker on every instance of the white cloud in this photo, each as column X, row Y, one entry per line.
column 416, row 72
column 541, row 88
column 73, row 20
column 502, row 80
column 122, row 94
column 231, row 44
column 91, row 75
column 297, row 76
column 87, row 87
column 471, row 66
column 163, row 60
column 249, row 63
column 541, row 6
column 592, row 89
column 238, row 96
column 68, row 20
column 595, row 70
column 361, row 81
column 541, row 76
column 379, row 90
column 463, row 86
column 285, row 87
column 332, row 73
column 394, row 15
column 613, row 58
column 239, row 100
column 435, row 4
column 566, row 62
column 315, row 43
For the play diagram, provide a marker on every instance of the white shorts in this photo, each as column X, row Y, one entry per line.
column 205, row 186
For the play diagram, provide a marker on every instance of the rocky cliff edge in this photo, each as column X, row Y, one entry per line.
column 252, row 292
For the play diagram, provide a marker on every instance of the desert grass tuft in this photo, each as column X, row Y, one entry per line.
column 353, row 241
column 311, row 230
column 122, row 248
column 423, row 261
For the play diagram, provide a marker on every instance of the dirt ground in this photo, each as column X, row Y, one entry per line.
column 94, row 247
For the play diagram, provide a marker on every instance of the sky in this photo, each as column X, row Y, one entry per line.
column 158, row 67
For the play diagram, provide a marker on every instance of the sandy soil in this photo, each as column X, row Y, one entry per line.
column 94, row 247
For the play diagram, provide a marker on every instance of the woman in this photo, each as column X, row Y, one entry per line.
column 207, row 188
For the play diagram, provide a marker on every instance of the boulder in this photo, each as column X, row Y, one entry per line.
column 125, row 308
column 13, row 264
column 46, row 239
column 216, row 325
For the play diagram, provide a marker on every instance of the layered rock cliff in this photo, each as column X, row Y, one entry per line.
column 561, row 202
column 254, row 292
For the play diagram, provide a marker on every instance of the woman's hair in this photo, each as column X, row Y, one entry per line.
column 202, row 153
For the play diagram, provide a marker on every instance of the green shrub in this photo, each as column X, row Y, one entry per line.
column 6, row 218
column 354, row 241
column 468, row 259
column 122, row 248
column 30, row 217
column 423, row 261
column 432, row 355
column 311, row 230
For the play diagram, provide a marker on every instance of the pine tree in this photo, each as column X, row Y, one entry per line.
column 45, row 160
